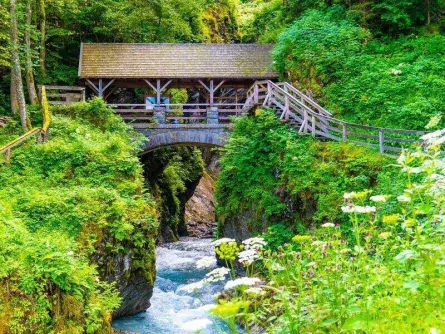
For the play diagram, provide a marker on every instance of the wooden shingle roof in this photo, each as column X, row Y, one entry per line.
column 114, row 60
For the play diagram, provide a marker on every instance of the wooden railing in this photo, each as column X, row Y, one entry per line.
column 41, row 133
column 177, row 113
column 308, row 117
column 65, row 94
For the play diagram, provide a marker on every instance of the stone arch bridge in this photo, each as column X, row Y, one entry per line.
column 167, row 135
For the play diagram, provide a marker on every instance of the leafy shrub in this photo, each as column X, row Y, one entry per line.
column 392, row 83
column 389, row 278
column 277, row 176
column 69, row 209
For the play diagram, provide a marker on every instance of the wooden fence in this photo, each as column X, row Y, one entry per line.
column 177, row 113
column 307, row 116
column 41, row 133
column 64, row 94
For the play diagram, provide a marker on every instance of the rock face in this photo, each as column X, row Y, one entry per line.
column 200, row 216
column 135, row 289
column 200, row 209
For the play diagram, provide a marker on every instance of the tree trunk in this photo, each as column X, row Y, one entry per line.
column 29, row 70
column 16, row 71
column 428, row 12
column 43, row 37
column 14, row 101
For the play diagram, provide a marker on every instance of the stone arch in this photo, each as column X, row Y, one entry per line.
column 164, row 136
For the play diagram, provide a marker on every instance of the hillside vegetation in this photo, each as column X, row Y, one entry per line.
column 70, row 210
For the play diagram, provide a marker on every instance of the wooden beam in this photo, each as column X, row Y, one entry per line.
column 93, row 86
column 212, row 91
column 150, row 84
column 111, row 92
column 100, row 91
column 165, row 86
column 108, row 85
column 158, row 91
column 204, row 85
column 219, row 85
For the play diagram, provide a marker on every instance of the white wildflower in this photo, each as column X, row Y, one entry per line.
column 248, row 256
column 196, row 325
column 192, row 287
column 358, row 209
column 403, row 199
column 439, row 141
column 276, row 267
column 378, row 198
column 255, row 291
column 243, row 281
column 254, row 243
column 328, row 225
column 349, row 195
column 206, row 262
column 217, row 275
column 395, row 71
column 364, row 209
column 347, row 209
column 219, row 242
column 433, row 135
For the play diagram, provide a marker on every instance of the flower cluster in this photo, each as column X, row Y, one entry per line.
column 358, row 209
column 206, row 262
column 301, row 238
column 243, row 281
column 228, row 250
column 221, row 241
column 217, row 275
column 254, row 243
column 255, row 291
column 248, row 256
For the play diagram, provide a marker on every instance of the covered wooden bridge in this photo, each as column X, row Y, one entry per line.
column 180, row 83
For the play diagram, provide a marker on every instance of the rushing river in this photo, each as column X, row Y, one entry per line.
column 172, row 307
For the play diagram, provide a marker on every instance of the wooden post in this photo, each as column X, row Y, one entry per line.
column 212, row 91
column 83, row 95
column 344, row 131
column 255, row 92
column 306, row 120
column 7, row 155
column 286, row 107
column 158, row 91
column 100, row 91
column 381, row 141
column 313, row 126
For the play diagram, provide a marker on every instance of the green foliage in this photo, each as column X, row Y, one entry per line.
column 388, row 83
column 68, row 210
column 389, row 278
column 172, row 174
column 277, row 235
column 277, row 176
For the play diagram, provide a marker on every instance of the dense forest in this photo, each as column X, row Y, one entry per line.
column 80, row 215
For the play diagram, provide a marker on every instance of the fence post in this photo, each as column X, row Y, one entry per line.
column 381, row 141
column 313, row 126
column 212, row 115
column 286, row 107
column 7, row 155
column 159, row 115
column 306, row 120
column 344, row 131
column 255, row 92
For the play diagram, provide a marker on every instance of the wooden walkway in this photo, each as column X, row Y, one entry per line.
column 306, row 116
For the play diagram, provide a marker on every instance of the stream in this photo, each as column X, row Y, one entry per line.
column 172, row 307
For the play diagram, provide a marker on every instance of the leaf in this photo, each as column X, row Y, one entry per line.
column 358, row 321
column 411, row 285
column 406, row 255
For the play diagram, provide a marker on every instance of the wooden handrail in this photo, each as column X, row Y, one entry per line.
column 309, row 117
column 42, row 133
